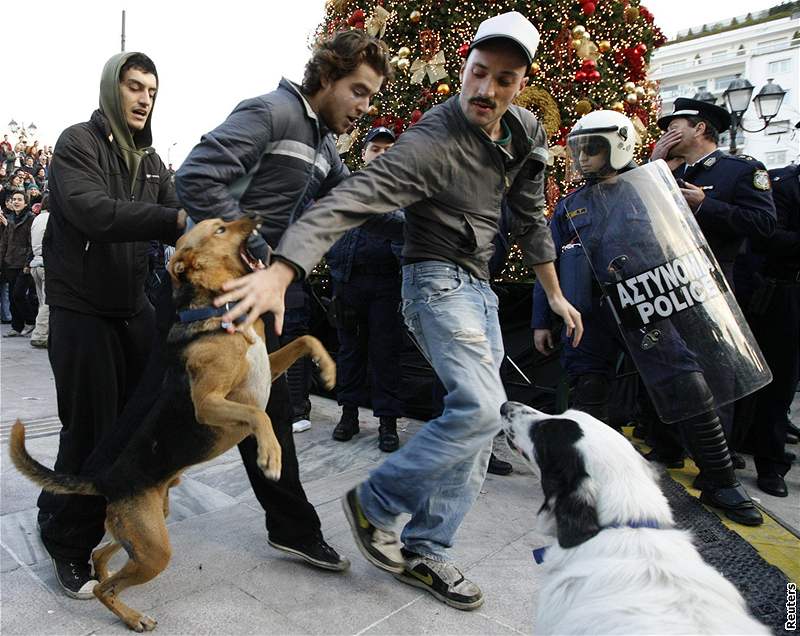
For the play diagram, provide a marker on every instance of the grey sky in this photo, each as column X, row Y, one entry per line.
column 210, row 56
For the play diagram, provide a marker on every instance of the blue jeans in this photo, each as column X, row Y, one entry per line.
column 437, row 475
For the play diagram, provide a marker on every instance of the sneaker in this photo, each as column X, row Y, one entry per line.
column 39, row 344
column 444, row 580
column 27, row 330
column 301, row 425
column 381, row 548
column 315, row 552
column 498, row 467
column 12, row 334
column 75, row 578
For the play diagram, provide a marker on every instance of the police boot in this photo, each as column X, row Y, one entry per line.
column 348, row 424
column 388, row 441
column 590, row 394
column 720, row 489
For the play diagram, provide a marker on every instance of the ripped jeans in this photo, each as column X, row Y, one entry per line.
column 437, row 474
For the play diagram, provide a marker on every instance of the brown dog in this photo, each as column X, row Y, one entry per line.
column 215, row 391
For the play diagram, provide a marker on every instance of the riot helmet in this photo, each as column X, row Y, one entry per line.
column 606, row 139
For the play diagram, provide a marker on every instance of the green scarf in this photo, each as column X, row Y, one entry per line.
column 133, row 146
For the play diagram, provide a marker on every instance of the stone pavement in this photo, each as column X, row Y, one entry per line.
column 224, row 578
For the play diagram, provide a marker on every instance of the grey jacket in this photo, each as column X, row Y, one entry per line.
column 451, row 179
column 298, row 162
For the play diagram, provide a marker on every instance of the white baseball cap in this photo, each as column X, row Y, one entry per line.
column 512, row 26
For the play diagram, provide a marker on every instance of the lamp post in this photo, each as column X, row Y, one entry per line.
column 737, row 99
column 20, row 128
column 704, row 95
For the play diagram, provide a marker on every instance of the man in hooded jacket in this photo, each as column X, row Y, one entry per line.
column 110, row 194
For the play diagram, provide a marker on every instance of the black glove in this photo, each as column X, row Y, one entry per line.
column 258, row 248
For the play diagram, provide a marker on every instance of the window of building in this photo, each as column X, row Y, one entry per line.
column 775, row 158
column 779, row 66
column 716, row 55
column 771, row 45
column 721, row 83
column 673, row 65
column 778, row 127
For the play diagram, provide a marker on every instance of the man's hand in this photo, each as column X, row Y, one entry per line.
column 256, row 294
column 664, row 145
column 181, row 222
column 694, row 196
column 571, row 316
column 543, row 341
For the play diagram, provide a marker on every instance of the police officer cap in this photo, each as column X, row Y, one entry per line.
column 379, row 131
column 509, row 26
column 684, row 107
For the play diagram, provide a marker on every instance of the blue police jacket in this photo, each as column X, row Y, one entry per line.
column 359, row 247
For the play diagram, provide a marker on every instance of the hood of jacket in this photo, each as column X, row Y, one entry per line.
column 132, row 145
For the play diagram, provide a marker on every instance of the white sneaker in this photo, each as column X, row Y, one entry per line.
column 301, row 425
column 28, row 330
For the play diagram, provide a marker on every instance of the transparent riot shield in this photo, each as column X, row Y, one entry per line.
column 675, row 310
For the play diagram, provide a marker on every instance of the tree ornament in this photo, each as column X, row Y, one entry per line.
column 629, row 87
column 578, row 32
column 576, row 44
column 631, row 14
column 641, row 48
column 618, row 106
column 415, row 16
column 580, row 76
column 588, row 50
column 539, row 98
column 416, row 116
column 535, row 68
column 394, row 61
column 373, row 110
column 403, row 51
column 583, row 106
column 463, row 50
column 604, row 46
column 403, row 63
column 640, row 92
column 588, row 8
column 443, row 89
column 631, row 98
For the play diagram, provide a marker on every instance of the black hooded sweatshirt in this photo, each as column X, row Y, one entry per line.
column 110, row 194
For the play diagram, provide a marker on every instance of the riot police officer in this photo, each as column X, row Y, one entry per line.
column 602, row 146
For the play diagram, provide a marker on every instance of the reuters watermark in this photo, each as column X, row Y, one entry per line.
column 791, row 607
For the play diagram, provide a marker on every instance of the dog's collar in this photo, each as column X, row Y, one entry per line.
column 538, row 553
column 209, row 311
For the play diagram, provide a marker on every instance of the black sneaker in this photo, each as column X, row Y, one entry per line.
column 498, row 466
column 75, row 578
column 379, row 547
column 443, row 580
column 316, row 552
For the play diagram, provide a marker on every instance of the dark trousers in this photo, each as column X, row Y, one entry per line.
column 96, row 364
column 777, row 331
column 22, row 292
column 369, row 343
column 296, row 323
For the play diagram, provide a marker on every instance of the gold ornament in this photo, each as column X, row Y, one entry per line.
column 618, row 106
column 403, row 63
column 443, row 89
column 629, row 87
column 394, row 61
column 404, row 51
column 640, row 92
column 578, row 32
column 588, row 50
column 631, row 14
column 434, row 68
column 650, row 92
column 583, row 106
column 535, row 97
column 631, row 98
column 604, row 46
column 576, row 44
column 415, row 16
column 373, row 110
column 535, row 68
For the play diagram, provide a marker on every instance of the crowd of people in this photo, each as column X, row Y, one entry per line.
column 431, row 208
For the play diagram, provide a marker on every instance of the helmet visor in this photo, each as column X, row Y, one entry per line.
column 588, row 156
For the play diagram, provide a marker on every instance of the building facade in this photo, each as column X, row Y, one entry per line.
column 754, row 47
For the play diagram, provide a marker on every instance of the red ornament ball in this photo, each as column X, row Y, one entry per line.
column 593, row 76
column 463, row 49
column 589, row 63
column 416, row 116
column 580, row 76
column 588, row 8
column 641, row 48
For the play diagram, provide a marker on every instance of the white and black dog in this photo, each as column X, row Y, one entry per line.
column 619, row 565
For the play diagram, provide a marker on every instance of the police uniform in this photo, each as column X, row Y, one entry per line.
column 773, row 311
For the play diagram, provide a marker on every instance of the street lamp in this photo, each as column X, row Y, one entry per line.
column 20, row 128
column 737, row 99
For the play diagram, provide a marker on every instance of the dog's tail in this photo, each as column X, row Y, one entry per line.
column 49, row 480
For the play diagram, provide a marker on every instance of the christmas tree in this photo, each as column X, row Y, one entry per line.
column 592, row 55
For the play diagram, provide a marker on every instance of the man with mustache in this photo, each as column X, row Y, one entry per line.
column 450, row 172
column 271, row 157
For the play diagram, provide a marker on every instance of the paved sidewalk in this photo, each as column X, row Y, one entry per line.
column 224, row 578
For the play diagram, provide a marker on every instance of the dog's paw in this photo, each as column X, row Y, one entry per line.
column 327, row 370
column 270, row 463
column 142, row 623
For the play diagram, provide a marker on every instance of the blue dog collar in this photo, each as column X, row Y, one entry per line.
column 538, row 553
column 210, row 311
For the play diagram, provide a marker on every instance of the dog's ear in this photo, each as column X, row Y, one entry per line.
column 563, row 477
